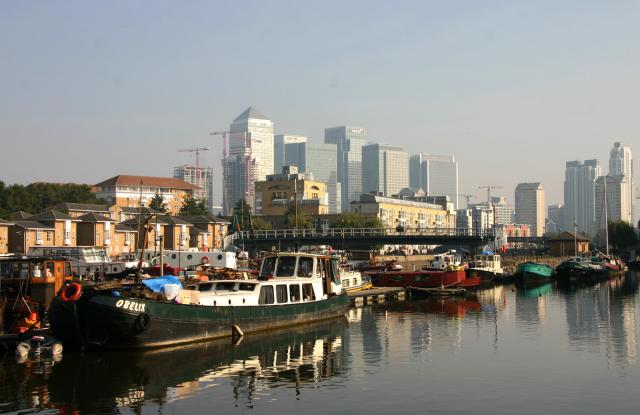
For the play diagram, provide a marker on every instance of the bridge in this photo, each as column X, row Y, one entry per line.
column 361, row 238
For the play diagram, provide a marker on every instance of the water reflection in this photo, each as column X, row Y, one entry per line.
column 102, row 383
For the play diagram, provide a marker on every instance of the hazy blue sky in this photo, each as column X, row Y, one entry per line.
column 91, row 89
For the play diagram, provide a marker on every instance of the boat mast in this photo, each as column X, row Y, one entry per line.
column 606, row 217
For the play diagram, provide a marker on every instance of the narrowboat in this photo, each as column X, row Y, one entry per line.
column 291, row 289
column 423, row 278
column 533, row 271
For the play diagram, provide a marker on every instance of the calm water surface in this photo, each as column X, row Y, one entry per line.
column 504, row 351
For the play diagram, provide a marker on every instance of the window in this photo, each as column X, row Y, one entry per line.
column 67, row 268
column 396, row 279
column 49, row 236
column 294, row 293
column 205, row 287
column 246, row 287
column 307, row 292
column 225, row 286
column 281, row 293
column 266, row 295
column 345, row 283
column 286, row 266
column 305, row 267
column 268, row 266
column 421, row 278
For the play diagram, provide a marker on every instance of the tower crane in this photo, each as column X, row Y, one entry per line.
column 195, row 150
column 467, row 197
column 225, row 142
column 489, row 189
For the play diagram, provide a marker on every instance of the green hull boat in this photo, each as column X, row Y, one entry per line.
column 533, row 271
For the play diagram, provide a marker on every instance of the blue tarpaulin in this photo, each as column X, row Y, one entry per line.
column 157, row 284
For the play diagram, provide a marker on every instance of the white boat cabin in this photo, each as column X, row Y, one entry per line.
column 487, row 262
column 448, row 259
column 284, row 278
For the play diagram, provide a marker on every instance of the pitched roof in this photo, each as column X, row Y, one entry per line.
column 174, row 220
column 20, row 215
column 134, row 222
column 32, row 224
column 136, row 210
column 124, row 228
column 152, row 181
column 4, row 222
column 250, row 113
column 51, row 215
column 201, row 219
column 569, row 236
column 93, row 217
column 81, row 206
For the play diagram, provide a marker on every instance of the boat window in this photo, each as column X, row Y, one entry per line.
column 345, row 283
column 286, row 266
column 398, row 279
column 266, row 295
column 5, row 269
column 294, row 293
column 281, row 293
column 225, row 286
column 205, row 287
column 421, row 278
column 305, row 267
column 246, row 287
column 355, row 282
column 307, row 292
column 268, row 266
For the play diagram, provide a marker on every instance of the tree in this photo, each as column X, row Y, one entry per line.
column 157, row 203
column 297, row 219
column 622, row 236
column 260, row 224
column 193, row 206
column 242, row 215
column 35, row 197
column 353, row 220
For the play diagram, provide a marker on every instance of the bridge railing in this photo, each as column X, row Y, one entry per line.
column 274, row 234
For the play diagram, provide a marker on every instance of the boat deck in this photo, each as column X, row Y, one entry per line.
column 379, row 294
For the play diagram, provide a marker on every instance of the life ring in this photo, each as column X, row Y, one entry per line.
column 143, row 321
column 71, row 292
column 204, row 260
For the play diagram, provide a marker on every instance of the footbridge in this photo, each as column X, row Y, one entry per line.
column 361, row 238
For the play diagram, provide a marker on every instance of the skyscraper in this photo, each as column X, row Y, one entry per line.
column 579, row 195
column 279, row 143
column 436, row 175
column 555, row 218
column 504, row 213
column 250, row 157
column 321, row 160
column 198, row 176
column 530, row 207
column 349, row 141
column 617, row 200
column 621, row 164
column 385, row 169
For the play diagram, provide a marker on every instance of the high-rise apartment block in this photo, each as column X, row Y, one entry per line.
column 279, row 144
column 250, row 157
column 616, row 202
column 504, row 213
column 349, row 141
column 385, row 169
column 579, row 195
column 436, row 175
column 321, row 160
column 554, row 218
column 202, row 177
column 621, row 164
column 530, row 207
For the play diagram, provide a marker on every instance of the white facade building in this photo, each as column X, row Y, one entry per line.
column 436, row 175
column 202, row 177
column 617, row 201
column 530, row 207
column 280, row 142
column 385, row 169
column 579, row 195
column 621, row 164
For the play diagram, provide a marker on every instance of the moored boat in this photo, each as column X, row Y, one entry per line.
column 528, row 271
column 353, row 280
column 291, row 289
column 423, row 278
column 486, row 266
column 588, row 270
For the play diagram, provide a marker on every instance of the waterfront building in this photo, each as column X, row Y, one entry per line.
column 554, row 218
column 277, row 194
column 99, row 231
column 4, row 236
column 385, row 169
column 349, row 141
column 395, row 213
column 76, row 210
column 436, row 175
column 464, row 220
column 621, row 164
column 250, row 157
column 27, row 233
column 280, row 142
column 201, row 177
column 617, row 200
column 483, row 217
column 579, row 195
column 513, row 230
column 132, row 191
column 320, row 160
column 207, row 233
column 504, row 212
column 565, row 244
column 530, row 207
column 65, row 226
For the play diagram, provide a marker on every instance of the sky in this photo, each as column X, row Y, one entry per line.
column 92, row 89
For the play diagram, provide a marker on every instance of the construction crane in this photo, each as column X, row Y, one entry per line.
column 225, row 141
column 197, row 151
column 489, row 189
column 466, row 196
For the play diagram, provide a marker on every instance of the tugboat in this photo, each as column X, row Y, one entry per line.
column 291, row 289
column 533, row 271
column 487, row 266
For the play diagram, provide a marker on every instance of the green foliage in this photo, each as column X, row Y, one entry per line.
column 260, row 224
column 36, row 197
column 353, row 220
column 157, row 203
column 298, row 220
column 193, row 206
column 622, row 236
column 242, row 215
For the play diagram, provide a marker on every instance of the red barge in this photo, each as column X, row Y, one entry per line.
column 423, row 278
